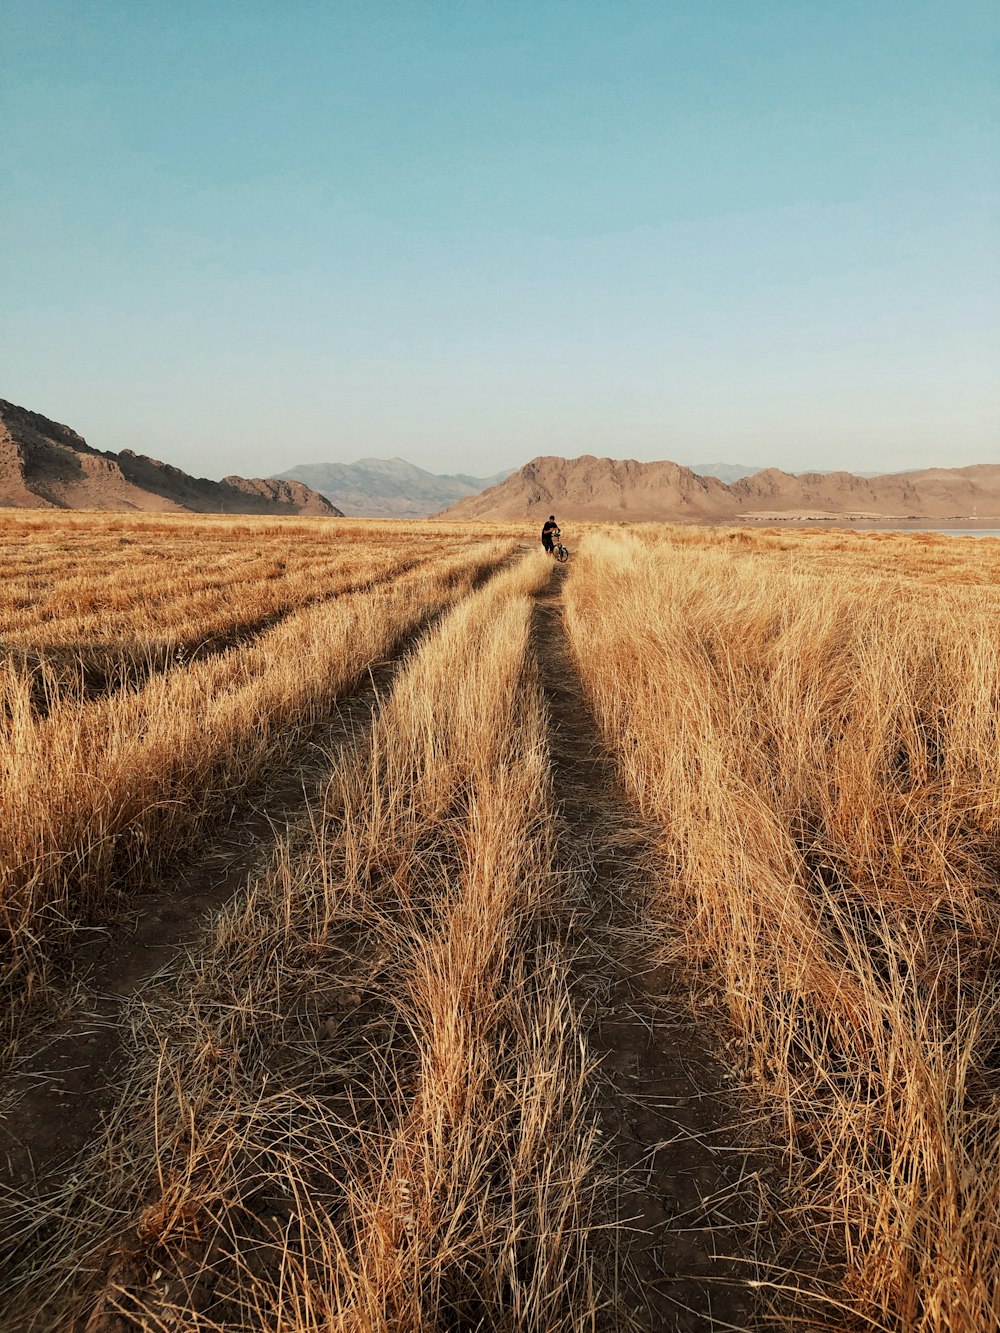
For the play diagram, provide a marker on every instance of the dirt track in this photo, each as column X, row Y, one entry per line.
column 688, row 1191
column 96, row 673
column 682, row 1181
column 53, row 1101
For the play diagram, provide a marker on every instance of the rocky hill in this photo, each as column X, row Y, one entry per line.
column 45, row 465
column 388, row 487
column 599, row 488
column 608, row 488
column 935, row 493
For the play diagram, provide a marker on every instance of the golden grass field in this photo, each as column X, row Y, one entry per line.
column 366, row 1097
column 813, row 721
column 102, row 787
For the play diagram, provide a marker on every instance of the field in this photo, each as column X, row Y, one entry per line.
column 400, row 932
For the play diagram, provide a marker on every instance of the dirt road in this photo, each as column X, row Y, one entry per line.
column 687, row 1191
column 681, row 1239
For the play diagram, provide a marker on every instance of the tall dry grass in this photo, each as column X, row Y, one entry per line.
column 815, row 730
column 99, row 601
column 100, row 796
column 367, row 1107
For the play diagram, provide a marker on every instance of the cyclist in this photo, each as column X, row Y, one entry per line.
column 550, row 534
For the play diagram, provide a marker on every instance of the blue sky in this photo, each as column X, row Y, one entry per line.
column 245, row 236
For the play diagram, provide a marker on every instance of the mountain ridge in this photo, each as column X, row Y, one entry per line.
column 727, row 472
column 624, row 489
column 388, row 487
column 47, row 465
column 44, row 464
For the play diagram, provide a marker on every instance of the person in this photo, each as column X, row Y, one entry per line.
column 550, row 531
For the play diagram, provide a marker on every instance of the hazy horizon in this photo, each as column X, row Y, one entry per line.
column 243, row 239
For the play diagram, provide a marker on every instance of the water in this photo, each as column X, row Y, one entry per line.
column 833, row 524
column 961, row 532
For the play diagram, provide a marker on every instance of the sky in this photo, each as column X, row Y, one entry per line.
column 245, row 236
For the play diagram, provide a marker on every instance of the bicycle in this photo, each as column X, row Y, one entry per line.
column 560, row 552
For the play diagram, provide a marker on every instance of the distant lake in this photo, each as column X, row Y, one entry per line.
column 831, row 525
column 944, row 532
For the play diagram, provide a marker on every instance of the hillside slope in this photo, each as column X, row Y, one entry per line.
column 45, row 465
column 608, row 488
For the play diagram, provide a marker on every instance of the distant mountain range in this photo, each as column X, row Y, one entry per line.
column 388, row 487
column 727, row 472
column 608, row 488
column 45, row 465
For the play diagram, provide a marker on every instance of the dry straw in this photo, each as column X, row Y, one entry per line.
column 813, row 723
column 99, row 796
column 366, row 1106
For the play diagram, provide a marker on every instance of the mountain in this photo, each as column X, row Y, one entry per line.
column 387, row 487
column 609, row 488
column 727, row 472
column 938, row 493
column 599, row 488
column 44, row 465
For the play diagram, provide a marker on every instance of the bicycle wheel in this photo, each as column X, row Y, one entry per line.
column 561, row 554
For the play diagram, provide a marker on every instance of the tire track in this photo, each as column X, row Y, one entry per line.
column 83, row 672
column 687, row 1186
column 124, row 835
column 53, row 1100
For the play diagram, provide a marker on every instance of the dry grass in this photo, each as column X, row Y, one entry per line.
column 364, row 1103
column 813, row 722
column 99, row 601
column 101, row 795
column 368, row 1107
